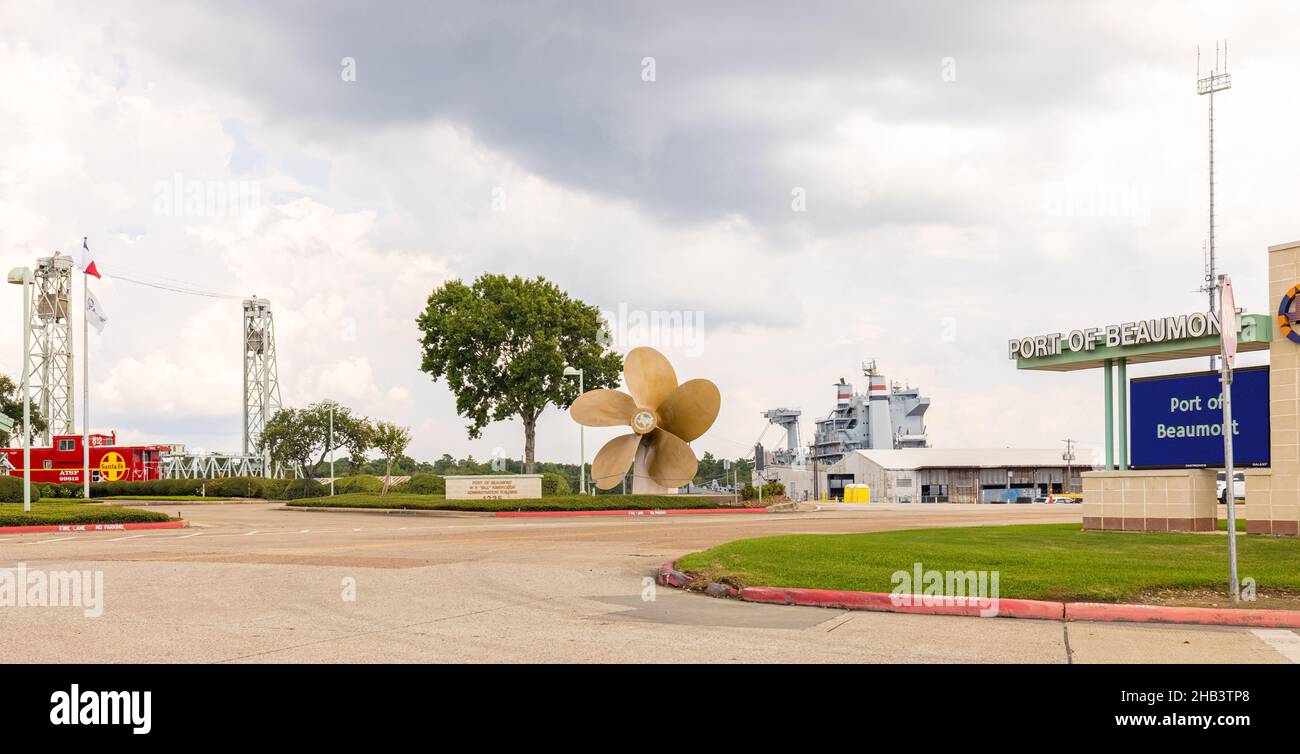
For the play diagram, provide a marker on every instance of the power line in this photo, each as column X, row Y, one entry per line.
column 186, row 289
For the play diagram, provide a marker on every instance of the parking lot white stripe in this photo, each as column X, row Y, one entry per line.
column 1287, row 643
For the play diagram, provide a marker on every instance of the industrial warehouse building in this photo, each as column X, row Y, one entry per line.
column 962, row 475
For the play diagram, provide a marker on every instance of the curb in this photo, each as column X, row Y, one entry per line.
column 1209, row 616
column 1007, row 608
column 915, row 603
column 390, row 511
column 74, row 528
column 656, row 512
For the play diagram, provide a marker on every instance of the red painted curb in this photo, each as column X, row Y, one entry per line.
column 661, row 512
column 75, row 528
column 903, row 603
column 1007, row 608
column 1165, row 614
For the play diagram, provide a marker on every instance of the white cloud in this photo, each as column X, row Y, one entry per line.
column 917, row 215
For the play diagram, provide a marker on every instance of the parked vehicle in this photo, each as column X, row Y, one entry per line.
column 1239, row 485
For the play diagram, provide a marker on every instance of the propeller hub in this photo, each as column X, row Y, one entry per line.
column 643, row 421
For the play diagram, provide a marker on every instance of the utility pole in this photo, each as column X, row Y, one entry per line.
column 1068, row 457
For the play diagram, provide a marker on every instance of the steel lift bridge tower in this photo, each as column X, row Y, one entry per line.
column 261, row 382
column 51, row 354
column 261, row 401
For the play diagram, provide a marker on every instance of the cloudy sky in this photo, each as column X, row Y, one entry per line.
column 810, row 185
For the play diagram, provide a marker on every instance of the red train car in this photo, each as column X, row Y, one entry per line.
column 109, row 462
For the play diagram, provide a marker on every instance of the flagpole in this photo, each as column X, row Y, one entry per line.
column 85, row 382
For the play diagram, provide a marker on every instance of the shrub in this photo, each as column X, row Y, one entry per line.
column 291, row 489
column 11, row 489
column 149, row 488
column 349, row 484
column 237, row 486
column 770, row 489
column 426, row 484
column 555, row 484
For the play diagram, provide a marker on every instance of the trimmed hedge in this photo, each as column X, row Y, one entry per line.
column 229, row 487
column 565, row 503
column 75, row 513
column 291, row 489
column 150, row 488
column 555, row 484
column 361, row 483
column 421, row 484
column 237, row 486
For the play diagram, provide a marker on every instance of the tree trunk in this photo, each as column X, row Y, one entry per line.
column 530, row 442
column 388, row 474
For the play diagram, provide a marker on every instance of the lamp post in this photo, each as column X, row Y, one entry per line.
column 331, row 442
column 582, row 438
column 23, row 276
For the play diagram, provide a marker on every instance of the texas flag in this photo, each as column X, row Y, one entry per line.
column 87, row 261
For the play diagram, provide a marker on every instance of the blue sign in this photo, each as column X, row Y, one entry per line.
column 1177, row 421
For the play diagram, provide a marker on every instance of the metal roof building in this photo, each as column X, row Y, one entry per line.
column 956, row 475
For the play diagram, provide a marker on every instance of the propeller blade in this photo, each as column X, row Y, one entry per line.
column 650, row 378
column 691, row 409
column 612, row 462
column 603, row 408
column 669, row 460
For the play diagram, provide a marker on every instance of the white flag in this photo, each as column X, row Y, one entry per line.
column 95, row 313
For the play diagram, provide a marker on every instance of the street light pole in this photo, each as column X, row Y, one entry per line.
column 1228, row 346
column 23, row 276
column 332, row 449
column 582, row 436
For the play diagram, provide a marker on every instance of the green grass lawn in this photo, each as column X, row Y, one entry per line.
column 1045, row 561
column 556, row 503
column 1241, row 524
column 69, row 512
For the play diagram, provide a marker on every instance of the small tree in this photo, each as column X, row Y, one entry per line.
column 502, row 345
column 300, row 438
column 11, row 405
column 390, row 440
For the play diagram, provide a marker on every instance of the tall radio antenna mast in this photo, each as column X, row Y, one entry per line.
column 1217, row 81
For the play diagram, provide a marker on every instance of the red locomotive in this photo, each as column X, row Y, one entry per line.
column 109, row 462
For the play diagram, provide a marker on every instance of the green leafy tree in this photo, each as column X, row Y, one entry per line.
column 502, row 345
column 11, row 405
column 300, row 437
column 715, row 469
column 391, row 441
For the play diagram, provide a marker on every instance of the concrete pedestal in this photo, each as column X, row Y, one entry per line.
column 1158, row 500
